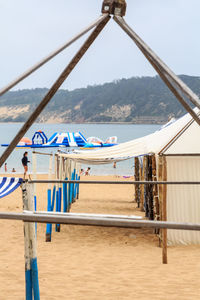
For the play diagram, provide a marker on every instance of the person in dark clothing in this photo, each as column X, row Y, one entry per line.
column 25, row 162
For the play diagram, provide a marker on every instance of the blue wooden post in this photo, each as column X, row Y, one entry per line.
column 35, row 281
column 28, row 284
column 78, row 186
column 57, row 205
column 73, row 186
column 69, row 196
column 65, row 203
column 28, row 278
column 31, row 269
column 48, row 226
column 53, row 198
column 35, row 206
column 35, row 203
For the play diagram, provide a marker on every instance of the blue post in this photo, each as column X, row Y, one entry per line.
column 35, row 203
column 35, row 206
column 48, row 226
column 69, row 193
column 53, row 198
column 78, row 185
column 65, row 204
column 73, row 186
column 58, row 206
column 57, row 196
column 35, row 281
column 28, row 285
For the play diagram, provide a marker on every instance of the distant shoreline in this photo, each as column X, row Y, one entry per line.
column 93, row 123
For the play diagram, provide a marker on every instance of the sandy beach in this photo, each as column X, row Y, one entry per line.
column 96, row 263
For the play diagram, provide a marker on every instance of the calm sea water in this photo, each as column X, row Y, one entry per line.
column 123, row 132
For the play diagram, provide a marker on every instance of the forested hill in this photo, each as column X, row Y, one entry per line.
column 136, row 100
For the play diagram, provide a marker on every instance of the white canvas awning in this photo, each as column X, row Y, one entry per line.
column 153, row 143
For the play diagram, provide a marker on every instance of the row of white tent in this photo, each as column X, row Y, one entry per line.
column 179, row 141
column 179, row 137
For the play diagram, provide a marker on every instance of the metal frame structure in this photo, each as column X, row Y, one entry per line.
column 182, row 92
column 117, row 8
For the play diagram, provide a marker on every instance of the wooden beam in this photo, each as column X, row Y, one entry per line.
column 54, row 89
column 49, row 57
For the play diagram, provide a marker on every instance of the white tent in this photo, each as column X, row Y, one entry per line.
column 152, row 143
column 180, row 144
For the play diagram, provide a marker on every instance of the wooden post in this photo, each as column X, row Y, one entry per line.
column 142, row 172
column 31, row 268
column 146, row 187
column 155, row 188
column 28, row 279
column 160, row 192
column 164, row 211
column 137, row 177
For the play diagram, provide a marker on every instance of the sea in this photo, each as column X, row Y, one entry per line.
column 124, row 133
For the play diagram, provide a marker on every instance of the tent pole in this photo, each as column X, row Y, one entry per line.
column 49, row 57
column 142, row 173
column 54, row 88
column 137, row 174
column 164, row 72
column 164, row 212
column 160, row 195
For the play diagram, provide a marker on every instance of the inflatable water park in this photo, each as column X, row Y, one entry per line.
column 64, row 139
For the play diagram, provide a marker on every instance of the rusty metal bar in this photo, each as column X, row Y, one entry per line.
column 50, row 56
column 163, row 70
column 116, row 182
column 101, row 221
column 54, row 88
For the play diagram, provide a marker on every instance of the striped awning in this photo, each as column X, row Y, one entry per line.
column 8, row 185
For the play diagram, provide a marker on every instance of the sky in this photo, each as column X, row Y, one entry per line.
column 30, row 30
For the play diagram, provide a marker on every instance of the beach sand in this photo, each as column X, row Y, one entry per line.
column 93, row 262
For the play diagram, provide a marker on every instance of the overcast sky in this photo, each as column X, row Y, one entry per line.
column 29, row 30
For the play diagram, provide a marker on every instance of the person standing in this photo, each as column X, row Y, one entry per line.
column 25, row 162
column 5, row 167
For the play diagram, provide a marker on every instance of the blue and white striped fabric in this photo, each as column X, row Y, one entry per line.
column 8, row 185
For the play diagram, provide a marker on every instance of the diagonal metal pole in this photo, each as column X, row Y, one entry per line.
column 167, row 81
column 50, row 56
column 54, row 88
column 165, row 73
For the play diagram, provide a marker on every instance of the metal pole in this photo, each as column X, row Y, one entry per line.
column 163, row 70
column 54, row 88
column 115, row 182
column 169, row 84
column 89, row 221
column 49, row 57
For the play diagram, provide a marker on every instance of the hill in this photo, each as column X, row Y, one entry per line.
column 135, row 100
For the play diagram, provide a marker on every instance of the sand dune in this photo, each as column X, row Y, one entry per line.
column 93, row 262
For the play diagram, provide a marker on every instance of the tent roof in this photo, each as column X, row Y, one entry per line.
column 161, row 141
